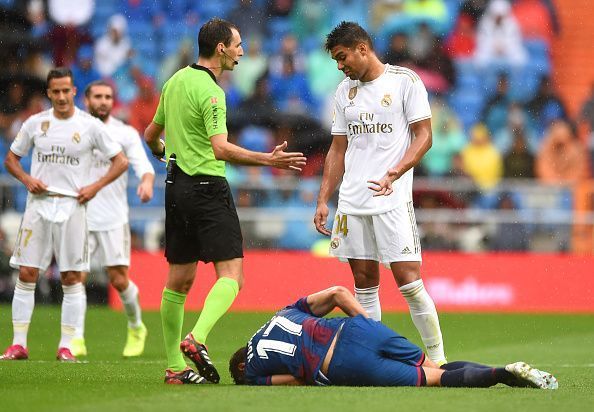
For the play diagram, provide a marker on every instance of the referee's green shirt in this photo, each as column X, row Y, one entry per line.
column 192, row 109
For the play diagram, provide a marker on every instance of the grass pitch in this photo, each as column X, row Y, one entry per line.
column 561, row 344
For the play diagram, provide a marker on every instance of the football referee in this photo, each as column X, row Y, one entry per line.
column 201, row 221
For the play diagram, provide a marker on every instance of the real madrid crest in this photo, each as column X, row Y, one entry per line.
column 335, row 243
column 76, row 137
column 45, row 127
column 352, row 92
column 386, row 101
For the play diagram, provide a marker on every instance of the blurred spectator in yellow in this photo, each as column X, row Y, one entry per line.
column 426, row 9
column 562, row 159
column 481, row 160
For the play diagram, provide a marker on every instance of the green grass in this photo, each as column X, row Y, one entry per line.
column 561, row 344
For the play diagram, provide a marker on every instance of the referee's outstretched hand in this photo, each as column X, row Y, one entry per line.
column 286, row 160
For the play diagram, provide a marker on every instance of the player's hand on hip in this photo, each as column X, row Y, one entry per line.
column 87, row 193
column 35, row 186
column 321, row 218
column 286, row 160
column 145, row 191
column 383, row 187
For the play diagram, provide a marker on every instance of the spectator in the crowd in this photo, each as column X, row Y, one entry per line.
column 279, row 8
column 398, row 53
column 113, row 49
column 481, row 159
column 249, row 16
column 142, row 109
column 534, row 20
column 259, row 107
column 322, row 75
column 310, row 19
column 499, row 40
column 545, row 107
column 433, row 10
column 562, row 159
column 587, row 115
column 36, row 103
column 290, row 90
column 474, row 8
column 519, row 162
column 289, row 49
column 253, row 65
column 461, row 43
column 512, row 234
column 448, row 140
column 64, row 13
column 37, row 17
column 175, row 61
column 495, row 112
column 421, row 43
column 437, row 69
column 344, row 10
column 83, row 72
column 385, row 10
column 516, row 121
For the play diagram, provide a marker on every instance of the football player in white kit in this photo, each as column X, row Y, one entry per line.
column 55, row 220
column 107, row 215
column 381, row 130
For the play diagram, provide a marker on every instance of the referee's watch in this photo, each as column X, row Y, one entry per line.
column 160, row 155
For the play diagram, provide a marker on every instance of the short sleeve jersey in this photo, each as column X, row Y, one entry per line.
column 293, row 342
column 192, row 109
column 109, row 208
column 63, row 148
column 376, row 116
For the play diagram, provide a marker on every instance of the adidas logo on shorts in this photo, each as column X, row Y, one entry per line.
column 406, row 251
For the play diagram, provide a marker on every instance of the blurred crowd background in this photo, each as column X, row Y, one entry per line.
column 512, row 150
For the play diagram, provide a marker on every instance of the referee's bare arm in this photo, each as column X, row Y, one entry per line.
column 223, row 150
column 151, row 137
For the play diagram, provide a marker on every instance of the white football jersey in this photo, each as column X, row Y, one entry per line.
column 375, row 116
column 109, row 209
column 62, row 153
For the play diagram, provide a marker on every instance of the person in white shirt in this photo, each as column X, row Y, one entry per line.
column 107, row 215
column 55, row 221
column 114, row 47
column 381, row 130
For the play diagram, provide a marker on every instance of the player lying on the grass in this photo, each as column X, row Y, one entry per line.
column 300, row 347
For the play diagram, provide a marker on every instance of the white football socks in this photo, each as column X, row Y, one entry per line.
column 23, row 303
column 369, row 299
column 424, row 316
column 72, row 305
column 80, row 325
column 131, row 306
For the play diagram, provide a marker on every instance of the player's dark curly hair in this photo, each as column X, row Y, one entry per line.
column 347, row 34
column 237, row 373
column 213, row 32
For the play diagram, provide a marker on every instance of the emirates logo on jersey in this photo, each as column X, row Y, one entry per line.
column 45, row 127
column 386, row 101
column 76, row 137
column 352, row 92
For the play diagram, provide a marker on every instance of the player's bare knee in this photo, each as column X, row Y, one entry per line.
column 28, row 274
column 70, row 278
column 406, row 272
column 118, row 277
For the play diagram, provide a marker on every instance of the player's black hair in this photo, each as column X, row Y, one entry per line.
column 347, row 34
column 58, row 73
column 213, row 32
column 96, row 83
column 240, row 356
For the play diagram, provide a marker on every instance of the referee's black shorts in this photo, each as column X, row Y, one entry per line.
column 201, row 222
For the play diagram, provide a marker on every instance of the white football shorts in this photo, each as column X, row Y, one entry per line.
column 110, row 247
column 386, row 238
column 40, row 239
